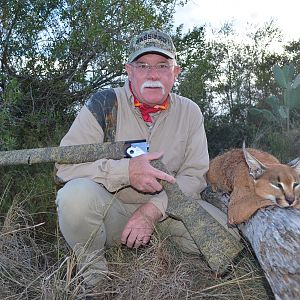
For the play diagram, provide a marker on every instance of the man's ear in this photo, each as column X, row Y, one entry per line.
column 256, row 168
column 128, row 69
column 177, row 70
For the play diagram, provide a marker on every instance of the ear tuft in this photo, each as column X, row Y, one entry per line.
column 295, row 164
column 256, row 168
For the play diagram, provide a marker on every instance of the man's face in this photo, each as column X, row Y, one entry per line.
column 152, row 77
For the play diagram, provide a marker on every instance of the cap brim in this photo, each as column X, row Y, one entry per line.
column 152, row 49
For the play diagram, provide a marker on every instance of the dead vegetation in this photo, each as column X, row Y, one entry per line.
column 37, row 264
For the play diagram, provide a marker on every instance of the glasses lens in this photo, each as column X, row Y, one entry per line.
column 144, row 68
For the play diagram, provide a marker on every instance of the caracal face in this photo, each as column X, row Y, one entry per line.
column 280, row 184
column 254, row 179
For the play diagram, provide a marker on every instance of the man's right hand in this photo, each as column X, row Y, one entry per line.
column 143, row 177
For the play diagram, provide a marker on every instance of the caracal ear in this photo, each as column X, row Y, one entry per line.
column 256, row 168
column 295, row 164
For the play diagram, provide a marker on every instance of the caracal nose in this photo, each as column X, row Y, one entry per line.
column 290, row 199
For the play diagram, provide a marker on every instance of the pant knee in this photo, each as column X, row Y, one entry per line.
column 85, row 207
column 74, row 200
column 78, row 211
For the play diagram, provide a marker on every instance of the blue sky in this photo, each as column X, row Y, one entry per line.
column 256, row 12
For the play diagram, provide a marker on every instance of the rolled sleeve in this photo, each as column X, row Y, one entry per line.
column 161, row 202
column 113, row 174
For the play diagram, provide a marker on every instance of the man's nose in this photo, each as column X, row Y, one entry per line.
column 153, row 72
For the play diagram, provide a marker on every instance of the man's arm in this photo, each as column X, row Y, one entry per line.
column 113, row 174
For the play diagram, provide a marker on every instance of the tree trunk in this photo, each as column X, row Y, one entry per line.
column 274, row 234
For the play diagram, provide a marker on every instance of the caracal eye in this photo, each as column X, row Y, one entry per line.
column 277, row 185
column 295, row 185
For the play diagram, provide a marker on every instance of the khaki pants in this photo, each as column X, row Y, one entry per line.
column 92, row 219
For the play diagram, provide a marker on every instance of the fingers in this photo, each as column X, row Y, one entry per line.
column 130, row 237
column 164, row 176
column 141, row 241
column 159, row 174
column 140, row 226
column 153, row 186
column 125, row 235
column 144, row 177
column 131, row 240
column 146, row 239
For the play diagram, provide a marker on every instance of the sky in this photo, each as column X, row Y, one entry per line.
column 255, row 12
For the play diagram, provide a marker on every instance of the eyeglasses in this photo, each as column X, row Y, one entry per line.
column 145, row 68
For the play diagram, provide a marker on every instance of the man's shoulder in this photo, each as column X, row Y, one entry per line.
column 185, row 102
column 101, row 97
column 103, row 105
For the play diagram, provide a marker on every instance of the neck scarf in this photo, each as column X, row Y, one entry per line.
column 146, row 109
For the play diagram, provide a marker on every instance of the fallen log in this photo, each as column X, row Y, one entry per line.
column 218, row 246
column 274, row 235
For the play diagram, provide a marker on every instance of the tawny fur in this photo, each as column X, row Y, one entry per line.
column 230, row 173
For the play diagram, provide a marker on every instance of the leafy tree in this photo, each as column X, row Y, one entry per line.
column 292, row 52
column 237, row 67
column 54, row 53
column 227, row 76
column 280, row 109
column 194, row 62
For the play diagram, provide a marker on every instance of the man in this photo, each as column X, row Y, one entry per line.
column 108, row 202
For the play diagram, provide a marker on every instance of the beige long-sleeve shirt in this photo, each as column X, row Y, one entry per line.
column 178, row 132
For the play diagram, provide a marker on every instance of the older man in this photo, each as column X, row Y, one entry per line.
column 108, row 202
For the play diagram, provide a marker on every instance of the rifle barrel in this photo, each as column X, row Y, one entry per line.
column 63, row 155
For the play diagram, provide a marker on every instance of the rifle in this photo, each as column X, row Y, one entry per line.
column 218, row 246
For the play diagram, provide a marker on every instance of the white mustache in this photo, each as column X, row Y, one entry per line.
column 152, row 84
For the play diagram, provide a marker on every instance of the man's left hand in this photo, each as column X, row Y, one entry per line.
column 140, row 226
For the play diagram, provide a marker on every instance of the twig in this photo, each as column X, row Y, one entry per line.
column 22, row 229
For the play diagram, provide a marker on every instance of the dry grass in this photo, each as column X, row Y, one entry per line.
column 33, row 268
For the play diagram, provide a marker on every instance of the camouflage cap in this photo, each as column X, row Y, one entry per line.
column 151, row 41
